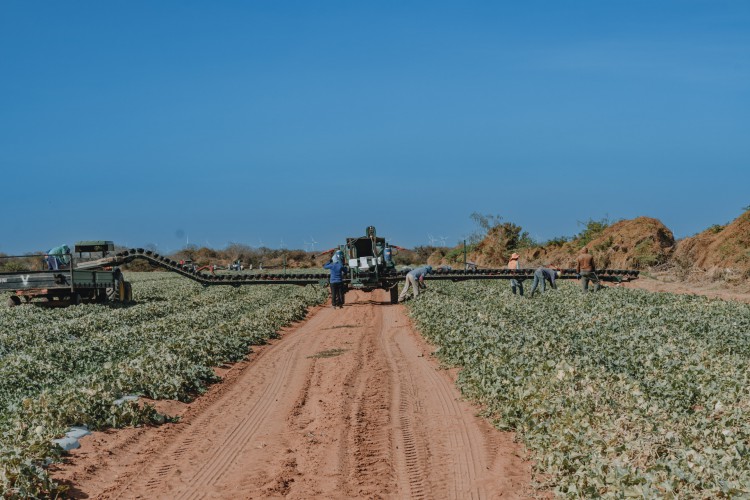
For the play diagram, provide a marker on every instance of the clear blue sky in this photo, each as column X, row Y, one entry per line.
column 154, row 122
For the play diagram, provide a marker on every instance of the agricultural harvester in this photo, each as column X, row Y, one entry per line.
column 370, row 260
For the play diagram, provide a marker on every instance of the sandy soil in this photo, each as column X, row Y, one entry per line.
column 348, row 404
column 713, row 289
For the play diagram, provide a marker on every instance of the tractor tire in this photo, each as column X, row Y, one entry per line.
column 394, row 294
column 120, row 290
column 128, row 292
column 14, row 300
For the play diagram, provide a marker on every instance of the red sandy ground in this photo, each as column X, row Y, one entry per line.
column 378, row 419
column 713, row 289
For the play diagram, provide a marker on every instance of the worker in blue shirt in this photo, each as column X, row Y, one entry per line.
column 414, row 278
column 58, row 257
column 338, row 270
column 543, row 275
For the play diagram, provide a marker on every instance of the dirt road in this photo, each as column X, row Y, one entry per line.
column 347, row 404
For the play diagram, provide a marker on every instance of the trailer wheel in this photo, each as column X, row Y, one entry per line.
column 14, row 300
column 394, row 294
column 75, row 298
column 101, row 296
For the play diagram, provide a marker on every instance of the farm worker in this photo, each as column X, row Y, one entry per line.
column 337, row 280
column 543, row 275
column 514, row 283
column 58, row 257
column 415, row 278
column 586, row 270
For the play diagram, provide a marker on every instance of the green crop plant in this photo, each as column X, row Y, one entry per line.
column 622, row 393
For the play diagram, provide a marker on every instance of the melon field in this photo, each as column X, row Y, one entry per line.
column 72, row 366
column 623, row 393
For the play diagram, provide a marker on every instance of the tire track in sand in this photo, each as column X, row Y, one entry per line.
column 168, row 471
column 345, row 405
column 449, row 452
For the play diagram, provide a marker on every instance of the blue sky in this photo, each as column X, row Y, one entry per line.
column 158, row 122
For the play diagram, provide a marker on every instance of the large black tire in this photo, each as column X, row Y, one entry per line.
column 128, row 292
column 120, row 290
column 394, row 294
column 14, row 300
column 75, row 298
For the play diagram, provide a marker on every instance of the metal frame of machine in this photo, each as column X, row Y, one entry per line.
column 370, row 260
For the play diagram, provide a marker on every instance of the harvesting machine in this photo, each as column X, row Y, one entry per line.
column 368, row 257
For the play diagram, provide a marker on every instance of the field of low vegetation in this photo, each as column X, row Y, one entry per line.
column 64, row 367
column 622, row 393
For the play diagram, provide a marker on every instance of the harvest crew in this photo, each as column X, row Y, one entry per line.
column 514, row 283
column 415, row 278
column 543, row 275
column 337, row 279
column 586, row 270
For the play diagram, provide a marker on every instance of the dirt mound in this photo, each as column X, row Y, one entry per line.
column 629, row 244
column 718, row 249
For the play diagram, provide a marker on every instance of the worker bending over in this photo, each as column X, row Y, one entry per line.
column 415, row 278
column 58, row 257
column 543, row 275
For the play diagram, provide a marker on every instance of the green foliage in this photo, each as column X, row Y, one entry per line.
column 63, row 367
column 556, row 242
column 15, row 264
column 485, row 224
column 644, row 256
column 592, row 229
column 716, row 228
column 456, row 255
column 605, row 245
column 508, row 235
column 622, row 393
column 416, row 256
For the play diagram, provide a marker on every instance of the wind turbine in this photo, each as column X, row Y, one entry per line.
column 281, row 244
column 312, row 243
column 442, row 240
column 432, row 239
column 260, row 241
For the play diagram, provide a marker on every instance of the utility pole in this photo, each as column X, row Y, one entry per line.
column 466, row 268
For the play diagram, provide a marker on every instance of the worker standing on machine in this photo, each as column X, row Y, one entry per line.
column 58, row 257
column 415, row 279
column 337, row 269
column 514, row 283
column 586, row 270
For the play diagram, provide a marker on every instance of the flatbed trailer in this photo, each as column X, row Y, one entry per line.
column 70, row 285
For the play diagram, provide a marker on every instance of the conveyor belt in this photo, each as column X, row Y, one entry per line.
column 262, row 278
